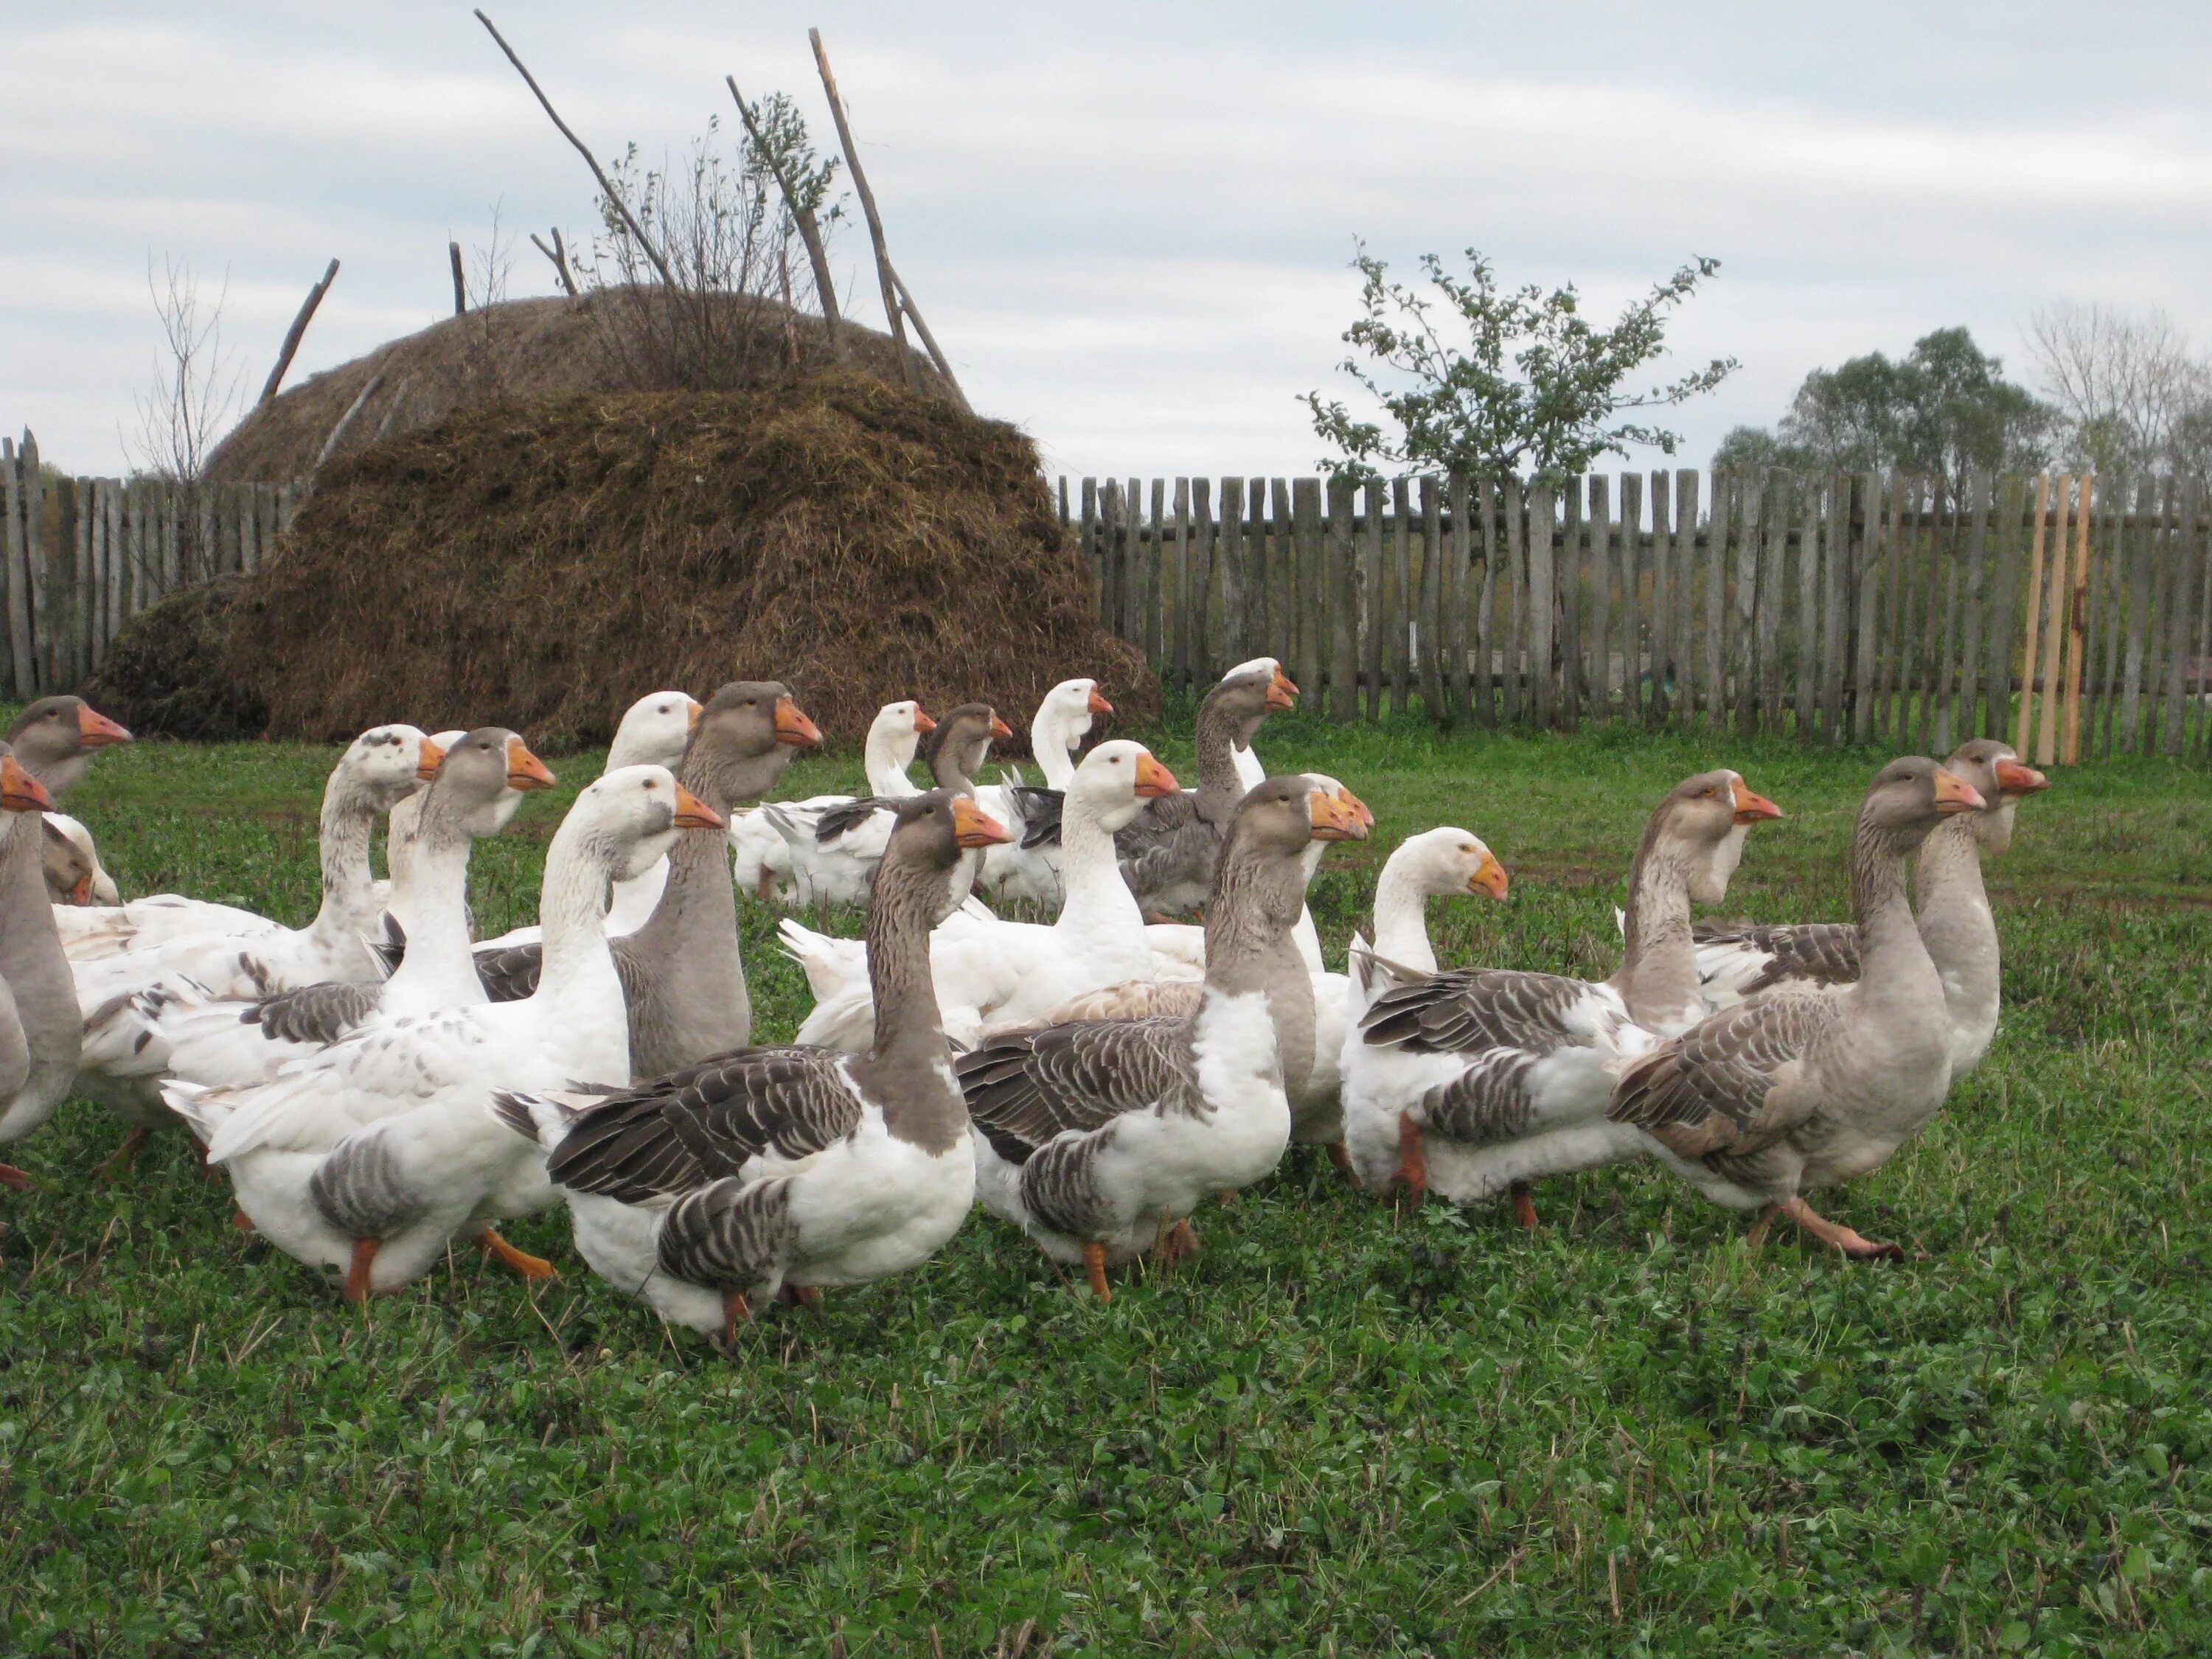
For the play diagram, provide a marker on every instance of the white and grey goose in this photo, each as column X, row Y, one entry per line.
column 833, row 859
column 712, row 1189
column 1956, row 923
column 765, row 852
column 1790, row 1092
column 989, row 971
column 38, row 1019
column 1167, row 852
column 653, row 731
column 682, row 973
column 364, row 1159
column 1481, row 1081
column 190, row 1037
column 1099, row 1139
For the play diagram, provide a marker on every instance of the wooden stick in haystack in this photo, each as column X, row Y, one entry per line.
column 802, row 215
column 294, row 334
column 559, row 256
column 353, row 409
column 460, row 281
column 898, row 304
column 606, row 185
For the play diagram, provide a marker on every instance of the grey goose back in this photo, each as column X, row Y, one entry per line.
column 1168, row 853
column 1788, row 1093
column 479, row 787
column 710, row 1189
column 682, row 976
column 1481, row 1081
column 38, row 1019
column 1956, row 922
column 1099, row 1139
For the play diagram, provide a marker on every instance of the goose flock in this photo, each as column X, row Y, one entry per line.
column 379, row 1084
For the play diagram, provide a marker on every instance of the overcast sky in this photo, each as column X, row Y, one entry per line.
column 1129, row 225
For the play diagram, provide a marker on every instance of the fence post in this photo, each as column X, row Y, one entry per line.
column 17, row 585
column 1597, row 654
column 1543, row 530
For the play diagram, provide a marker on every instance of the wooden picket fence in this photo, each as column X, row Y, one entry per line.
column 2070, row 616
column 84, row 555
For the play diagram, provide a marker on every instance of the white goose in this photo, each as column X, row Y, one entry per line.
column 74, row 876
column 1099, row 1139
column 363, row 1161
column 1027, row 867
column 765, row 856
column 992, row 972
column 771, row 1169
column 1481, row 1081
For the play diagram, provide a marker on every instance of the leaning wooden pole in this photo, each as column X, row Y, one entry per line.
column 888, row 281
column 929, row 341
column 460, row 279
column 297, row 331
column 606, row 185
column 809, row 227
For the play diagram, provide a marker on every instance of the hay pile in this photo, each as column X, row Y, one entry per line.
column 613, row 339
column 164, row 674
column 542, row 564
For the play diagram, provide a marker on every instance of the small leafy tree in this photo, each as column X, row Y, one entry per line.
column 1536, row 387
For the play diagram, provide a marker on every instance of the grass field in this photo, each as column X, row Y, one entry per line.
column 1345, row 1429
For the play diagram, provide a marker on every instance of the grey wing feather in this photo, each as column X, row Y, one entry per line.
column 1025, row 1088
column 727, row 1232
column 1707, row 1091
column 1169, row 842
column 705, row 1122
column 1474, row 1009
column 510, row 973
column 314, row 1014
column 1818, row 952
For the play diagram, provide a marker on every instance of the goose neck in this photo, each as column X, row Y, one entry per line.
column 348, row 901
column 908, row 1069
column 1219, row 729
column 572, row 911
column 1401, row 923
column 1089, row 877
column 435, row 902
column 1658, row 973
column 1053, row 737
column 887, row 754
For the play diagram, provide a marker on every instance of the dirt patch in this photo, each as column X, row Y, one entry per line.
column 542, row 564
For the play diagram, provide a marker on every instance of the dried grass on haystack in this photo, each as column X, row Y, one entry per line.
column 542, row 564
column 164, row 674
column 612, row 339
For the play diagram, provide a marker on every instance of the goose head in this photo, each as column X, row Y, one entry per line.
column 747, row 731
column 72, row 870
column 897, row 730
column 655, row 730
column 1063, row 717
column 1116, row 779
column 21, row 795
column 961, row 742
column 630, row 818
column 1248, row 695
column 387, row 764
column 1701, row 826
column 484, row 778
column 1286, row 816
column 1445, row 862
column 930, row 833
column 1994, row 768
column 55, row 740
column 1910, row 797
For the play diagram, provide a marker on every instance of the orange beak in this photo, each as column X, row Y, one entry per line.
column 1954, row 794
column 19, row 791
column 1360, row 808
column 999, row 728
column 1489, row 877
column 2014, row 779
column 923, row 726
column 81, row 893
column 698, row 709
column 973, row 827
column 1281, row 693
column 1750, row 808
column 1335, row 817
column 524, row 769
column 1098, row 705
column 1154, row 779
column 793, row 727
column 692, row 814
column 94, row 730
column 431, row 758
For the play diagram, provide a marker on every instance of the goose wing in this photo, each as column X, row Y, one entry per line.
column 1475, row 1009
column 314, row 1014
column 1745, row 961
column 708, row 1121
column 1026, row 1088
column 1721, row 1085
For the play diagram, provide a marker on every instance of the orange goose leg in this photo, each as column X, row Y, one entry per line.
column 803, row 1296
column 1412, row 1167
column 1524, row 1204
column 12, row 1177
column 356, row 1279
column 119, row 1161
column 1834, row 1232
column 530, row 1267
column 1094, row 1264
column 1341, row 1155
column 734, row 1308
column 1756, row 1237
column 240, row 1219
column 1178, row 1242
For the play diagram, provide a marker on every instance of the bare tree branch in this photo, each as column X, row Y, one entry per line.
column 557, row 255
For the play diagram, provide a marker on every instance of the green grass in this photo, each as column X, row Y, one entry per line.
column 1345, row 1429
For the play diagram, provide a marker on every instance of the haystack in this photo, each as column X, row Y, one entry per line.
column 165, row 676
column 612, row 339
column 540, row 564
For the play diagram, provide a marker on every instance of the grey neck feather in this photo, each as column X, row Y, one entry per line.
column 349, row 904
column 1895, row 972
column 1257, row 901
column 1658, row 973
column 1956, row 924
column 37, row 973
column 957, row 758
column 1219, row 729
column 908, row 1070
column 437, row 897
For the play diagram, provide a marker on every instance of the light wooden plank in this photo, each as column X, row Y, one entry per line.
column 2183, row 546
column 1487, row 592
column 1778, row 498
column 1231, row 560
column 1598, row 682
column 1313, row 590
column 18, row 580
column 1543, row 541
column 1399, row 554
column 1868, row 488
column 2077, row 620
column 1659, row 705
column 2025, row 719
column 1340, row 609
column 1205, row 619
column 1513, row 624
column 1133, row 566
column 1682, row 586
column 2110, row 527
column 1458, row 554
column 1087, row 542
column 81, row 610
column 2054, row 594
column 1712, row 690
column 1429, row 643
column 1835, row 563
column 1567, row 599
column 1286, row 584
column 1634, row 626
column 1951, row 561
column 1371, row 611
